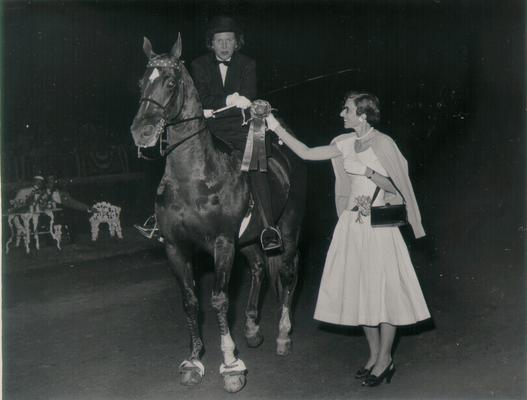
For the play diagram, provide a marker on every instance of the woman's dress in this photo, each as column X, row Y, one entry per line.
column 368, row 276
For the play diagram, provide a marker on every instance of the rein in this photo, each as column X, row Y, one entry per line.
column 169, row 149
column 161, row 127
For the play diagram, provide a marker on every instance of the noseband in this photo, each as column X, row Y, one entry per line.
column 165, row 120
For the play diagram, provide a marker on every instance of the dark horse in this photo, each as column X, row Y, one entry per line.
column 201, row 202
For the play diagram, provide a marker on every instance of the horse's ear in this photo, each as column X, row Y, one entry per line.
column 176, row 49
column 147, row 48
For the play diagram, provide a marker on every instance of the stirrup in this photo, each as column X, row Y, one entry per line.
column 148, row 232
column 271, row 246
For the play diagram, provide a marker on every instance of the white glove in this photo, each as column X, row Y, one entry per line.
column 231, row 98
column 272, row 122
column 239, row 101
column 242, row 102
column 354, row 166
column 207, row 113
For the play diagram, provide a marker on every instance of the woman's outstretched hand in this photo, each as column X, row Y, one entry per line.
column 272, row 122
column 354, row 166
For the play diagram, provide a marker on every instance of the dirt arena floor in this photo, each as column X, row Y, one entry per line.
column 99, row 326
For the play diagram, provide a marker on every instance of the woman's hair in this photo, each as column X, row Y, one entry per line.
column 367, row 104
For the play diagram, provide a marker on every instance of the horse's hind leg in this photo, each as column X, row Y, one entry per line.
column 232, row 368
column 286, row 285
column 288, row 279
column 191, row 370
column 257, row 262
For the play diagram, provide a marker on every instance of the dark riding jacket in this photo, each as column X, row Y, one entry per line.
column 241, row 78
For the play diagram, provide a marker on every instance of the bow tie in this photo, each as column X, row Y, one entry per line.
column 226, row 63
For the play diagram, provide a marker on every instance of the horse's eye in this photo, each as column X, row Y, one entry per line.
column 171, row 83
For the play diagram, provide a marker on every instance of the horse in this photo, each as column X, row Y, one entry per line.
column 201, row 201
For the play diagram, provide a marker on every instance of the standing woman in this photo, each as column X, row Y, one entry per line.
column 368, row 277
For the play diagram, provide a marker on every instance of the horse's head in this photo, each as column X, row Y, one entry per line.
column 162, row 94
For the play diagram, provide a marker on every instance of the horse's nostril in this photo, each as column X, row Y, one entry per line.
column 147, row 130
column 142, row 133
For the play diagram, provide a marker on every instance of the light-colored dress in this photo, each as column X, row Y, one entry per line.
column 368, row 276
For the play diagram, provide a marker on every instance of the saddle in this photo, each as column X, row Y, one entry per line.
column 278, row 173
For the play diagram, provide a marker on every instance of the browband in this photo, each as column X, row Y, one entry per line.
column 164, row 63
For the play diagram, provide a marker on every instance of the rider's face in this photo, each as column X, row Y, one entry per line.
column 224, row 44
column 349, row 114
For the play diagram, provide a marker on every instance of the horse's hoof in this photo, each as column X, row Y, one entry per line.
column 283, row 347
column 233, row 376
column 233, row 383
column 190, row 378
column 255, row 340
column 191, row 372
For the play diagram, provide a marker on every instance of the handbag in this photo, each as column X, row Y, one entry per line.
column 388, row 215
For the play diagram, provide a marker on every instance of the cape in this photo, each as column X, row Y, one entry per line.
column 395, row 165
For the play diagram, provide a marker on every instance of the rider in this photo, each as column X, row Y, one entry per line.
column 224, row 77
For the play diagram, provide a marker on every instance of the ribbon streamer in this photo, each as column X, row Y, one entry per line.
column 255, row 155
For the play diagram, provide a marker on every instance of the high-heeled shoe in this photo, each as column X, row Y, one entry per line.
column 363, row 372
column 373, row 380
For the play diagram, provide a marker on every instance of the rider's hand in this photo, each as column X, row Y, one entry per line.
column 231, row 99
column 207, row 113
column 242, row 102
column 354, row 166
column 272, row 122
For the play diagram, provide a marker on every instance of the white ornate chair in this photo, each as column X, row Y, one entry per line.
column 104, row 212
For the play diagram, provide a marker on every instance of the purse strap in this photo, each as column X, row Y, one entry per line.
column 377, row 190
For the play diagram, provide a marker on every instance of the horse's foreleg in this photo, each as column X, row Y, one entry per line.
column 191, row 369
column 257, row 262
column 232, row 369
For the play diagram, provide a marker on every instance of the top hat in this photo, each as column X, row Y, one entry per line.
column 222, row 23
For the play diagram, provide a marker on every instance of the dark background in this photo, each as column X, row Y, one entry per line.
column 450, row 76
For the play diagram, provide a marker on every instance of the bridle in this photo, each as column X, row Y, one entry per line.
column 166, row 120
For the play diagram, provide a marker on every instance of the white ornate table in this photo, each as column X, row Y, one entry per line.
column 24, row 225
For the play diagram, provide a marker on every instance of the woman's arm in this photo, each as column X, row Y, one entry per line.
column 380, row 180
column 352, row 165
column 299, row 148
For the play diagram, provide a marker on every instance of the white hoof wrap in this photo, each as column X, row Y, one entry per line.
column 187, row 364
column 235, row 368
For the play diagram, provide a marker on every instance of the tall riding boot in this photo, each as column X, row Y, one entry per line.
column 270, row 238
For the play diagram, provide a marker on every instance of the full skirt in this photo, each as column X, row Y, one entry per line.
column 368, row 277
